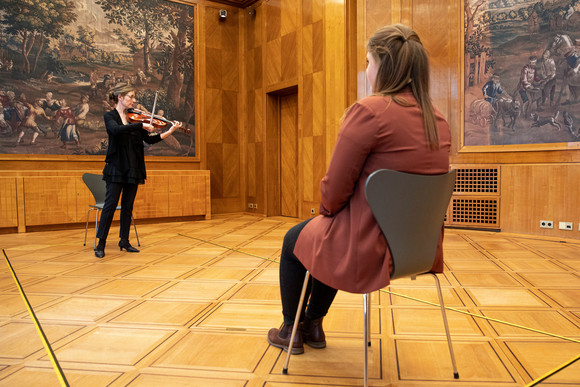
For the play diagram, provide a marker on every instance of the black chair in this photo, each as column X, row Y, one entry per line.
column 98, row 188
column 410, row 210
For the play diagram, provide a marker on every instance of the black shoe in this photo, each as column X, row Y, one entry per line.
column 100, row 250
column 124, row 244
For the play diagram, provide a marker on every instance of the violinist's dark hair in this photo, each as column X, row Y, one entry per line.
column 402, row 61
column 114, row 98
column 120, row 89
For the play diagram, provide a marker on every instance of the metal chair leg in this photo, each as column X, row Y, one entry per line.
column 366, row 337
column 96, row 228
column 87, row 226
column 368, row 320
column 296, row 322
column 455, row 373
column 135, row 228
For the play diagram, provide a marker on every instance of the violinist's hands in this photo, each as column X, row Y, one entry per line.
column 175, row 125
column 148, row 127
column 172, row 128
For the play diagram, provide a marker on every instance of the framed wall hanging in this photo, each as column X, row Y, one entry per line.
column 521, row 75
column 59, row 58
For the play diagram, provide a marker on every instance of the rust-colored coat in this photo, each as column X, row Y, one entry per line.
column 343, row 247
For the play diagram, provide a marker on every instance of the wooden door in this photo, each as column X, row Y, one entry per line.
column 289, row 155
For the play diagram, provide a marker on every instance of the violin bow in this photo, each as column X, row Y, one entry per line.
column 153, row 111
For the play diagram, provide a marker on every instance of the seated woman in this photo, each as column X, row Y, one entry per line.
column 395, row 128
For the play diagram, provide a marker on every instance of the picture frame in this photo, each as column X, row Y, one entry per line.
column 55, row 75
column 520, row 81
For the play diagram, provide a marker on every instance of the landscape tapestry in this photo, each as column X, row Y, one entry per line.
column 59, row 59
column 522, row 72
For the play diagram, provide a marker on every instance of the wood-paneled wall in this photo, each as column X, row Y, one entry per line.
column 45, row 198
column 534, row 192
column 220, row 77
column 293, row 46
column 8, row 203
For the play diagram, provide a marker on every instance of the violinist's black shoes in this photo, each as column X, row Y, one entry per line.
column 124, row 244
column 100, row 249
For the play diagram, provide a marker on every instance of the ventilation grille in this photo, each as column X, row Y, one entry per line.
column 482, row 212
column 477, row 180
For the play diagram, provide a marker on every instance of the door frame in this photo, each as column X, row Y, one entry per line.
column 273, row 149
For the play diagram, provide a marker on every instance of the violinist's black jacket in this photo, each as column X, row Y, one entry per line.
column 125, row 161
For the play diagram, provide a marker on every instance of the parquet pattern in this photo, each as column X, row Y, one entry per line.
column 193, row 308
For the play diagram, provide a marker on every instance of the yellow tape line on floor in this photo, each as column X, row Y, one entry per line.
column 555, row 370
column 482, row 317
column 55, row 365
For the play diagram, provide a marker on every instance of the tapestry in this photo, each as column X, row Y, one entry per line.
column 60, row 58
column 522, row 72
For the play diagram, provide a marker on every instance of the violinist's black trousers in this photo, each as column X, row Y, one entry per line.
column 111, row 200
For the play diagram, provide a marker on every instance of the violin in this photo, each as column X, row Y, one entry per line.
column 136, row 116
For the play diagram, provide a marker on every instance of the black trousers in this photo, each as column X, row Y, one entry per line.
column 111, row 201
column 318, row 296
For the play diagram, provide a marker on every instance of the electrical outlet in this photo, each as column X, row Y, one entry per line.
column 566, row 226
column 546, row 224
column 250, row 205
column 255, row 206
column 312, row 211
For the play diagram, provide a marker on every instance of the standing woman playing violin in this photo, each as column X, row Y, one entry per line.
column 125, row 164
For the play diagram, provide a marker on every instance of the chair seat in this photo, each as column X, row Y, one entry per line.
column 101, row 205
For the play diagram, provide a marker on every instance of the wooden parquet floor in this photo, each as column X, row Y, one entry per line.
column 193, row 308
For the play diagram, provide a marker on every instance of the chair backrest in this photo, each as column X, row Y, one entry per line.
column 410, row 210
column 96, row 185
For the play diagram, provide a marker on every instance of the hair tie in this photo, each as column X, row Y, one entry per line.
column 404, row 39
